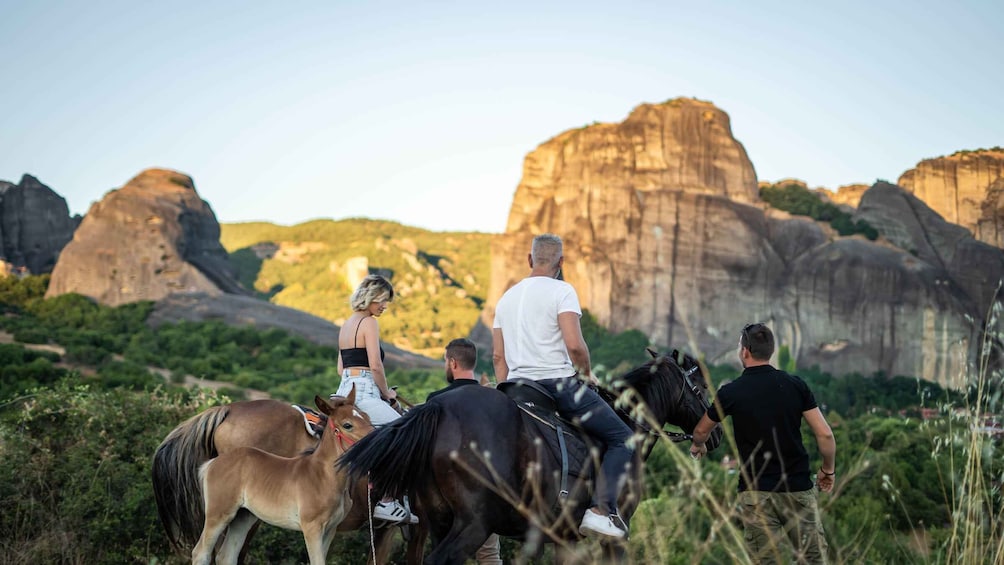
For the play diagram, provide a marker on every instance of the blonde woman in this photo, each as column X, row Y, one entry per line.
column 360, row 363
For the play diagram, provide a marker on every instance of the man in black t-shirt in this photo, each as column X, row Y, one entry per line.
column 460, row 358
column 776, row 494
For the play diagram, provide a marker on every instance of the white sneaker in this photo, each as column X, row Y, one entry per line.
column 594, row 524
column 393, row 512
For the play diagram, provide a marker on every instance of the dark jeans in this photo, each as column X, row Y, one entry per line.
column 576, row 400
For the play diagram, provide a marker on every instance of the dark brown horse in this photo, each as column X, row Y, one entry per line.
column 475, row 464
column 270, row 425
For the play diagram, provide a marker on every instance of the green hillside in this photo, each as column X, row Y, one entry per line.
column 441, row 278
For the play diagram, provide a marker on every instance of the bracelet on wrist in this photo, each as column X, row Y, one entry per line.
column 827, row 474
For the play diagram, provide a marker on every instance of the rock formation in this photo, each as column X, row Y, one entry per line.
column 848, row 195
column 35, row 225
column 966, row 188
column 152, row 237
column 689, row 256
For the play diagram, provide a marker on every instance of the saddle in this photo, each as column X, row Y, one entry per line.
column 566, row 441
column 313, row 420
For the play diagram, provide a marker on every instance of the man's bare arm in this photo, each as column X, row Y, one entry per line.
column 498, row 356
column 571, row 333
column 827, row 448
column 701, row 434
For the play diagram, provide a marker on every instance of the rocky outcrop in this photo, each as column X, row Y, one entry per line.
column 966, row 188
column 35, row 225
column 238, row 310
column 911, row 225
column 690, row 264
column 848, row 195
column 684, row 143
column 153, row 237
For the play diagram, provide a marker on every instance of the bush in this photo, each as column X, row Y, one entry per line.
column 75, row 483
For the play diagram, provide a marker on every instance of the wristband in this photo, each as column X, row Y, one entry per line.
column 827, row 474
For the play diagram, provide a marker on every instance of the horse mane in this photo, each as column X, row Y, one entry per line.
column 652, row 382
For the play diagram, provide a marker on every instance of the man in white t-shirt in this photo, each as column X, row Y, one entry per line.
column 537, row 336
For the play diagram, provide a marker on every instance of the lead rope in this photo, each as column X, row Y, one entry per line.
column 369, row 513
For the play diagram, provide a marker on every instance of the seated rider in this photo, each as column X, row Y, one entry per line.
column 537, row 335
column 360, row 363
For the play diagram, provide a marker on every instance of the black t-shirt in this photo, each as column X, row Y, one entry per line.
column 457, row 383
column 766, row 407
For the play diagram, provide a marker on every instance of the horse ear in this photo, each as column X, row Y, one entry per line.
column 675, row 356
column 652, row 352
column 351, row 398
column 323, row 405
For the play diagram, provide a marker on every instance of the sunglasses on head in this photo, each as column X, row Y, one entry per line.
column 746, row 332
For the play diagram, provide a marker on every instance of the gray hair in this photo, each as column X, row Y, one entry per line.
column 374, row 288
column 546, row 250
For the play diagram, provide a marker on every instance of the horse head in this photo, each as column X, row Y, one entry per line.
column 344, row 419
column 675, row 387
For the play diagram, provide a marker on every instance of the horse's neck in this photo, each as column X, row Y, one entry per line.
column 329, row 448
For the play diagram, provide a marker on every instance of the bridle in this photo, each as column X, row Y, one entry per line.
column 696, row 390
column 344, row 441
column 688, row 384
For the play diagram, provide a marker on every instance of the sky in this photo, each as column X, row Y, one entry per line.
column 422, row 112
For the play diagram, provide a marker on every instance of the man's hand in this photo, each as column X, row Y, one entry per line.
column 698, row 451
column 824, row 481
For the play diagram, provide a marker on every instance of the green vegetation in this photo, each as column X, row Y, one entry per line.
column 78, row 428
column 798, row 200
column 994, row 149
column 441, row 279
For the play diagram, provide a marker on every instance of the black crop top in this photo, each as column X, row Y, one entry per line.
column 357, row 356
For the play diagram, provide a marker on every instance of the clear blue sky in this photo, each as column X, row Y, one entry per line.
column 422, row 112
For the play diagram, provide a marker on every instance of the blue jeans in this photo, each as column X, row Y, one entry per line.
column 575, row 400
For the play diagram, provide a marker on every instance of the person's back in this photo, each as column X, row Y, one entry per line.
column 776, row 494
column 527, row 314
column 766, row 407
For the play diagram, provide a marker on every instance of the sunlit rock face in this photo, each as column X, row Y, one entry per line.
column 966, row 188
column 153, row 237
column 664, row 233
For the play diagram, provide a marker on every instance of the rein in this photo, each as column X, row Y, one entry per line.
column 675, row 437
column 341, row 438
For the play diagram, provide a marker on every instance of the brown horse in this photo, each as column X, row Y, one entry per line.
column 305, row 493
column 270, row 425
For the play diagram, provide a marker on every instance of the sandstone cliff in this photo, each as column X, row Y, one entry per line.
column 152, row 237
column 848, row 195
column 688, row 261
column 35, row 224
column 966, row 188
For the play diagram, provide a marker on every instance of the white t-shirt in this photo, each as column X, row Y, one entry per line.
column 527, row 314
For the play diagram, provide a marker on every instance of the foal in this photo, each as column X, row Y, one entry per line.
column 306, row 493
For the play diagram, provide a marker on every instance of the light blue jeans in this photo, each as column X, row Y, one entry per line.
column 367, row 397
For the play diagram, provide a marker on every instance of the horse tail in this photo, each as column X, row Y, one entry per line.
column 177, row 486
column 397, row 458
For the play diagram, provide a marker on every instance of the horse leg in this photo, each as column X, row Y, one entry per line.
column 232, row 546
column 416, row 545
column 313, row 536
column 464, row 538
column 383, row 542
column 243, row 557
column 216, row 523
